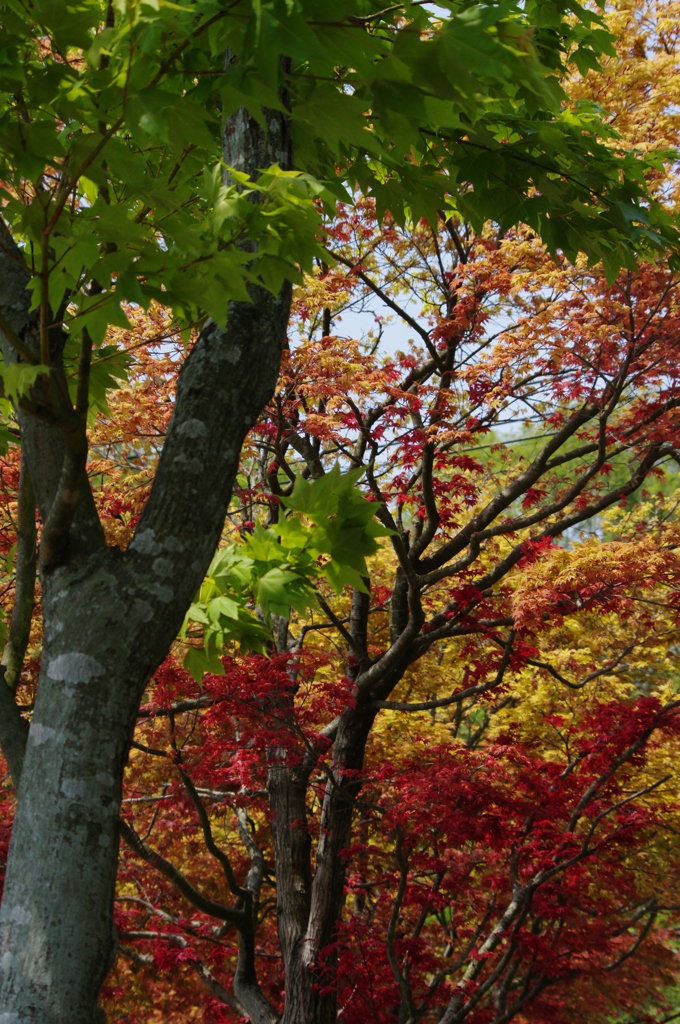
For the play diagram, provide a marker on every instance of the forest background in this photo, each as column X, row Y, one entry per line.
column 509, row 819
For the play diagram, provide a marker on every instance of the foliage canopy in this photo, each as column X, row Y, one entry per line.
column 411, row 755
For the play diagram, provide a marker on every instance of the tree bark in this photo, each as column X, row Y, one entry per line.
column 292, row 853
column 311, row 996
column 24, row 587
column 109, row 619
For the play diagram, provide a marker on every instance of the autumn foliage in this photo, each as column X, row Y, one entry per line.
column 482, row 733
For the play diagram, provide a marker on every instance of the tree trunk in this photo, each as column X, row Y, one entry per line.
column 311, row 996
column 109, row 619
column 56, row 925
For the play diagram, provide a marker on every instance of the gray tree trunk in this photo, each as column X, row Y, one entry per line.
column 109, row 620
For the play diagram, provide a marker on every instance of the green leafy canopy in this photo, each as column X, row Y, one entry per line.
column 328, row 535
column 110, row 139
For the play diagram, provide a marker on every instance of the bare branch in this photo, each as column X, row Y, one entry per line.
column 180, row 881
column 401, row 980
column 460, row 695
column 210, row 843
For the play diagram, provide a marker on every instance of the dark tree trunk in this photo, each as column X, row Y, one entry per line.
column 308, row 972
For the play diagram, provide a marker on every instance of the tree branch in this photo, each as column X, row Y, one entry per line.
column 391, row 304
column 401, row 980
column 24, row 586
column 210, row 843
column 511, row 491
column 454, row 698
column 13, row 731
column 54, row 539
column 180, row 881
column 208, row 979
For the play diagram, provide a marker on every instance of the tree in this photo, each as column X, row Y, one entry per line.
column 139, row 165
column 613, row 595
